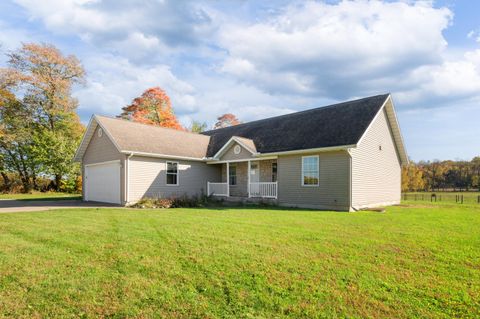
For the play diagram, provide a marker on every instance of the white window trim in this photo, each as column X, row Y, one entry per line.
column 178, row 173
column 318, row 170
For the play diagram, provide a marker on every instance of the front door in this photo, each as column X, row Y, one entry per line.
column 254, row 172
column 254, row 179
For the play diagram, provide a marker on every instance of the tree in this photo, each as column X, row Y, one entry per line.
column 198, row 127
column 476, row 172
column 152, row 107
column 226, row 120
column 15, row 139
column 42, row 109
column 412, row 178
column 63, row 141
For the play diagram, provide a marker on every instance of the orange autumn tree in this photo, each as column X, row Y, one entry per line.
column 152, row 107
column 226, row 120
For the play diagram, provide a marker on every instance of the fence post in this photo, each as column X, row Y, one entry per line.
column 462, row 198
column 478, row 199
column 415, row 197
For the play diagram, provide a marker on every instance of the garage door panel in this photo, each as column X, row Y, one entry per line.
column 103, row 182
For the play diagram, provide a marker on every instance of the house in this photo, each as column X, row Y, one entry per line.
column 346, row 157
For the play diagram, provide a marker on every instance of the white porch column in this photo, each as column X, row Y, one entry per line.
column 248, row 182
column 228, row 179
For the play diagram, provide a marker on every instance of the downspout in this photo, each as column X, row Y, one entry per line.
column 126, row 177
column 350, row 188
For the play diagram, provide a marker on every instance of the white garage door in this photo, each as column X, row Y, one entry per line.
column 103, row 182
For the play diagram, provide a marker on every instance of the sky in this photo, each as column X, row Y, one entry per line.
column 259, row 59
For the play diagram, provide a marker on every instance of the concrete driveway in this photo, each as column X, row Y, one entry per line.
column 16, row 206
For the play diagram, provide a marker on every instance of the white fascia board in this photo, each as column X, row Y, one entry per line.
column 78, row 156
column 252, row 159
column 374, row 119
column 229, row 142
column 145, row 154
column 401, row 143
column 311, row 150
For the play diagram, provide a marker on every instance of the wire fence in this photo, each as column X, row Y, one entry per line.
column 443, row 197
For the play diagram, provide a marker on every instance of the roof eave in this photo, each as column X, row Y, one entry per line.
column 158, row 155
column 89, row 132
column 310, row 150
column 79, row 152
column 228, row 143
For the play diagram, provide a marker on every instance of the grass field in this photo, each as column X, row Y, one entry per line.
column 41, row 196
column 449, row 197
column 414, row 261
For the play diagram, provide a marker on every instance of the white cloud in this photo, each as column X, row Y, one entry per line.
column 214, row 58
column 10, row 38
column 159, row 26
column 336, row 50
column 113, row 82
column 474, row 34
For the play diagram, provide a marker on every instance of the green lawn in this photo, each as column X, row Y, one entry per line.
column 41, row 196
column 416, row 261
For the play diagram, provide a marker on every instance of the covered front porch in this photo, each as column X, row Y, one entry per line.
column 247, row 179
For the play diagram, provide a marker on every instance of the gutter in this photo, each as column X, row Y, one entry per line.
column 311, row 150
column 304, row 151
column 126, row 177
column 350, row 188
column 198, row 159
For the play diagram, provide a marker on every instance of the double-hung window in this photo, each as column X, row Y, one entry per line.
column 172, row 173
column 232, row 174
column 310, row 171
column 274, row 172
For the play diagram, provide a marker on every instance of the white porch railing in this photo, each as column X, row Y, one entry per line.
column 264, row 189
column 217, row 189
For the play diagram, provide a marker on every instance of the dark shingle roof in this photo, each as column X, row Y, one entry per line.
column 334, row 125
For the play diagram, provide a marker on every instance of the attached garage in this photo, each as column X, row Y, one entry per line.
column 102, row 182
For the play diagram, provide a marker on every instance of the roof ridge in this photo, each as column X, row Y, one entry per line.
column 300, row 112
column 149, row 125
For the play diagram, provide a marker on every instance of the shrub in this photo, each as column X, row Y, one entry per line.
column 153, row 203
column 172, row 202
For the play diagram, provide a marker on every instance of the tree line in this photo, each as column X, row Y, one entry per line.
column 441, row 176
column 39, row 126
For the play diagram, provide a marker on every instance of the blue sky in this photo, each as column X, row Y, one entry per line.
column 258, row 59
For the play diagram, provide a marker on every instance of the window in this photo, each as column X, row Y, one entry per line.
column 232, row 174
column 100, row 132
column 274, row 172
column 172, row 173
column 310, row 171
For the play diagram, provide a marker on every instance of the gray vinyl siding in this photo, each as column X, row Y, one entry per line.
column 102, row 149
column 266, row 170
column 333, row 191
column 376, row 174
column 230, row 155
column 147, row 178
